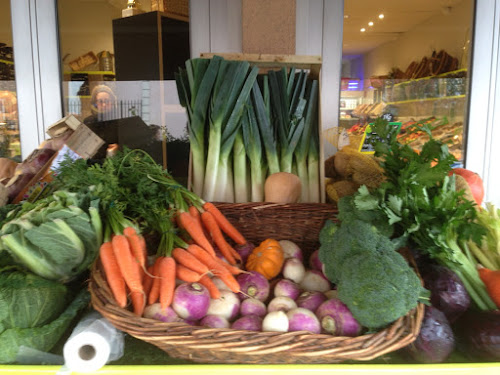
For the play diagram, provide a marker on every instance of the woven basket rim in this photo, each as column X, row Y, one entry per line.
column 226, row 345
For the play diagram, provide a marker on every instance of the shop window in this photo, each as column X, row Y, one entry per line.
column 408, row 60
column 9, row 125
column 119, row 60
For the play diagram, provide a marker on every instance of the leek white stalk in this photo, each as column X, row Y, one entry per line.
column 231, row 128
column 240, row 169
column 253, row 145
column 314, row 185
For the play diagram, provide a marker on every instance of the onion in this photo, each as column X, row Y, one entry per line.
column 311, row 300
column 275, row 321
column 301, row 319
column 291, row 250
column 214, row 321
column 248, row 323
column 314, row 262
column 168, row 315
column 293, row 269
column 227, row 306
column 281, row 304
column 337, row 319
column 315, row 281
column 252, row 306
column 244, row 250
column 253, row 285
column 191, row 301
column 286, row 288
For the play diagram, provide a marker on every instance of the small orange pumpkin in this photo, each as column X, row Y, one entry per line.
column 267, row 258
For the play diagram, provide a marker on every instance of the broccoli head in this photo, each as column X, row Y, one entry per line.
column 378, row 287
column 350, row 238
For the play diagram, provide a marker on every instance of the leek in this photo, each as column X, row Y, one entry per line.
column 194, row 87
column 313, row 166
column 263, row 119
column 223, row 133
column 302, row 150
column 240, row 168
column 253, row 145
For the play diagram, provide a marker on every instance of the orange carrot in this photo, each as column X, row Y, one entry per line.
column 193, row 211
column 138, row 302
column 129, row 267
column 195, row 231
column 210, row 285
column 148, row 280
column 213, row 228
column 154, row 293
column 129, row 231
column 113, row 274
column 186, row 274
column 232, row 269
column 167, row 270
column 139, row 252
column 189, row 260
column 230, row 281
column 491, row 280
column 224, row 223
column 206, row 258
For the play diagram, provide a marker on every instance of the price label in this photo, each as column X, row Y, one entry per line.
column 388, row 117
column 370, row 137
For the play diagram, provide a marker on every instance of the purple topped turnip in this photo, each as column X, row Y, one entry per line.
column 315, row 281
column 293, row 269
column 286, row 288
column 281, row 304
column 227, row 306
column 214, row 321
column 301, row 319
column 275, row 321
column 337, row 319
column 244, row 250
column 253, row 285
column 252, row 306
column 168, row 315
column 314, row 262
column 191, row 301
column 248, row 323
column 291, row 250
column 311, row 300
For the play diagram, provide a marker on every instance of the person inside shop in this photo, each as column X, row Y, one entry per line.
column 102, row 104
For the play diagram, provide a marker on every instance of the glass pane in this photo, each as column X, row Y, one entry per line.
column 9, row 125
column 408, row 59
column 119, row 66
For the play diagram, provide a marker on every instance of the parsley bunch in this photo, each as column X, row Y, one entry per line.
column 419, row 199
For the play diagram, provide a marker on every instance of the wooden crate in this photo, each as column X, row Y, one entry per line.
column 267, row 62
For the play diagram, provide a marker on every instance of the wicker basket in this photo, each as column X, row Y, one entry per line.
column 300, row 223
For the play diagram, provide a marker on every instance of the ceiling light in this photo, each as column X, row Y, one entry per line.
column 381, row 16
column 363, row 30
column 370, row 23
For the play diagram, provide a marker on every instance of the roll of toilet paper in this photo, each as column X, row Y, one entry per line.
column 93, row 343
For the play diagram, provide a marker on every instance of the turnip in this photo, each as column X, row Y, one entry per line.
column 244, row 250
column 168, row 315
column 301, row 319
column 314, row 262
column 293, row 269
column 275, row 321
column 214, row 321
column 191, row 301
column 252, row 306
column 315, row 281
column 337, row 319
column 253, row 285
column 281, row 304
column 310, row 300
column 227, row 306
column 248, row 323
column 286, row 288
column 291, row 250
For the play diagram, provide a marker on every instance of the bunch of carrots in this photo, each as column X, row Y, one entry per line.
column 124, row 257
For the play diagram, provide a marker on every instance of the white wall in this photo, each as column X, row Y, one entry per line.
column 446, row 32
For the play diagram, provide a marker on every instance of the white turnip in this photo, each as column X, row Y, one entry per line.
column 281, row 304
column 227, row 306
column 291, row 250
column 293, row 269
column 275, row 321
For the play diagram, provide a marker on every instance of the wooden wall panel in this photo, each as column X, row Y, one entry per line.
column 268, row 26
